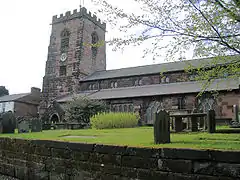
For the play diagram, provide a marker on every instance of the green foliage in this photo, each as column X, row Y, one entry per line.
column 179, row 28
column 3, row 91
column 114, row 120
column 82, row 109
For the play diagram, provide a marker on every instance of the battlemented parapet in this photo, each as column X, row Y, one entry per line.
column 78, row 14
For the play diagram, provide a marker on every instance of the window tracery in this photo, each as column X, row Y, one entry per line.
column 65, row 35
column 95, row 40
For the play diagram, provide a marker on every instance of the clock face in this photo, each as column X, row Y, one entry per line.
column 63, row 57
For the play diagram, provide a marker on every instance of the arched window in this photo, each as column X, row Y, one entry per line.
column 167, row 80
column 130, row 108
column 115, row 84
column 163, row 80
column 113, row 108
column 112, row 84
column 120, row 108
column 65, row 34
column 95, row 40
column 125, row 108
column 90, row 87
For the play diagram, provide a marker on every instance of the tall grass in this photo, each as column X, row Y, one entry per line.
column 114, row 120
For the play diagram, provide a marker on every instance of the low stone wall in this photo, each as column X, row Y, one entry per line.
column 41, row 159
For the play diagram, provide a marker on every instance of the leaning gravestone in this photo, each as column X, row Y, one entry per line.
column 8, row 122
column 36, row 125
column 23, row 125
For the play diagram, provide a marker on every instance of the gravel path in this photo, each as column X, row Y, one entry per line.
column 2, row 177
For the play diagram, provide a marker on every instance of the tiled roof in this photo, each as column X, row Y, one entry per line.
column 149, row 69
column 159, row 89
column 12, row 97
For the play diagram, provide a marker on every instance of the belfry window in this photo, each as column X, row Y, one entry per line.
column 94, row 44
column 65, row 40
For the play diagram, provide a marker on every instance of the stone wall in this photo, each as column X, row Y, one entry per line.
column 79, row 62
column 226, row 101
column 25, row 109
column 41, row 159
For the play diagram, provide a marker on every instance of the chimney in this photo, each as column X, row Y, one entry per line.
column 35, row 91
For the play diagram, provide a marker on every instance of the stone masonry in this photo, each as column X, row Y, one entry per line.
column 50, row 160
column 79, row 62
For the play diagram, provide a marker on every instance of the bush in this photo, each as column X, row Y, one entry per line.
column 82, row 109
column 114, row 120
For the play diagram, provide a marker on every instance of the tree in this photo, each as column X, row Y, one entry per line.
column 82, row 109
column 210, row 28
column 3, row 91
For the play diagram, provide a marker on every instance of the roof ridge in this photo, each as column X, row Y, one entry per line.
column 15, row 94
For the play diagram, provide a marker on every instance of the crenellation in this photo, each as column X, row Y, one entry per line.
column 95, row 17
column 54, row 18
column 75, row 11
column 83, row 10
column 90, row 14
column 68, row 13
column 78, row 14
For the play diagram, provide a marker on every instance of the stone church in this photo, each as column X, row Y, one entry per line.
column 76, row 68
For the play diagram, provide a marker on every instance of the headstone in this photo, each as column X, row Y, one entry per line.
column 235, row 113
column 162, row 127
column 36, row 125
column 8, row 122
column 23, row 125
column 211, row 121
column 1, row 127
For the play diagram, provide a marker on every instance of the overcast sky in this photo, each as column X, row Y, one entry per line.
column 25, row 32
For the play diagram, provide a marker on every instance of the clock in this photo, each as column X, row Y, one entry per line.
column 63, row 57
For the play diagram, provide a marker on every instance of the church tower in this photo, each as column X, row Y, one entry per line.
column 76, row 50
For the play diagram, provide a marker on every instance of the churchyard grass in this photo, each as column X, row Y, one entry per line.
column 138, row 137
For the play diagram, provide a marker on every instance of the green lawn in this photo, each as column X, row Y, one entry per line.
column 142, row 136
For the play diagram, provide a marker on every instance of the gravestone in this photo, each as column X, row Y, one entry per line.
column 8, row 122
column 211, row 121
column 235, row 113
column 23, row 125
column 36, row 125
column 1, row 127
column 162, row 127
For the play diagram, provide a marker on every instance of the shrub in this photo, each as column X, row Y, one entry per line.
column 81, row 109
column 114, row 120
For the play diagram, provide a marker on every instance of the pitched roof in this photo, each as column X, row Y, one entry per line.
column 71, row 96
column 12, row 97
column 150, row 69
column 158, row 89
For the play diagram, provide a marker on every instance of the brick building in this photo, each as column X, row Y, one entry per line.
column 23, row 105
column 76, row 68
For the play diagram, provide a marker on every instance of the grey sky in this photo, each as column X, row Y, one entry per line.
column 25, row 32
